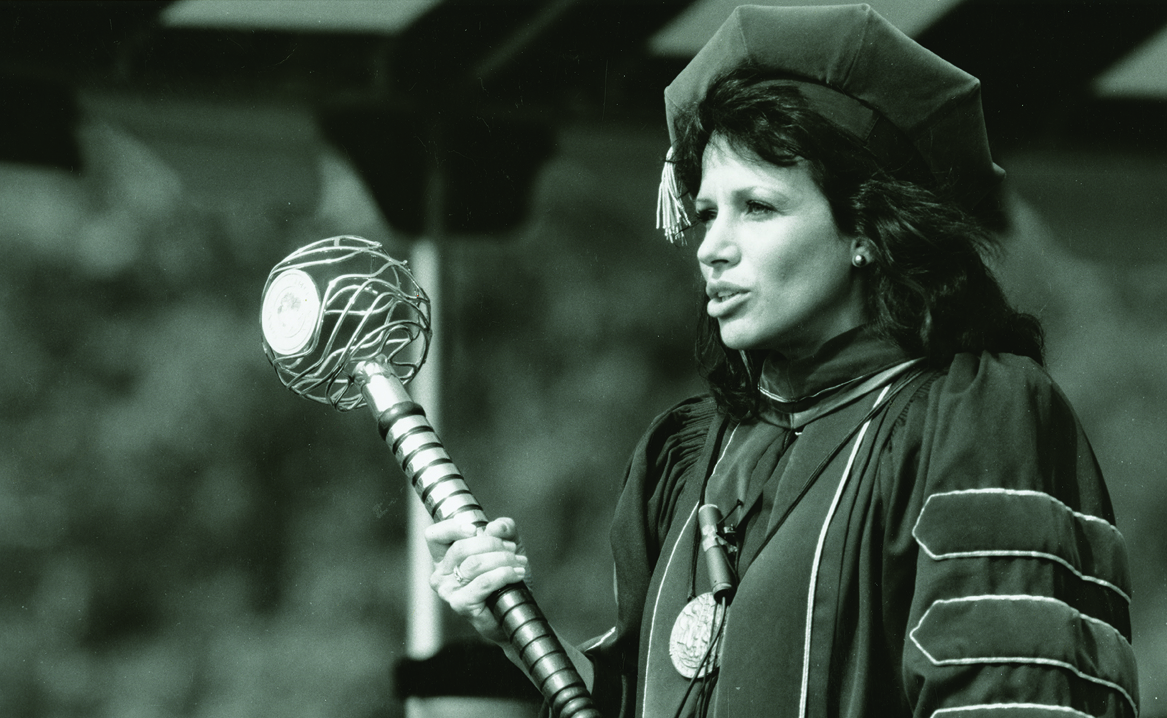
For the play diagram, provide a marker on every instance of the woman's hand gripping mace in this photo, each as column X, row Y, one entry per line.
column 443, row 490
column 345, row 324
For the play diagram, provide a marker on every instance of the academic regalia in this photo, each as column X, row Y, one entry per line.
column 911, row 540
column 917, row 542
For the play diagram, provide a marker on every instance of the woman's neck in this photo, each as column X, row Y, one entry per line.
column 850, row 356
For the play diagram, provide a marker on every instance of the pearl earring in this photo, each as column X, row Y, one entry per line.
column 860, row 260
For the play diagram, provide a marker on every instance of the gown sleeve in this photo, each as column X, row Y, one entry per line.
column 1017, row 583
column 669, row 449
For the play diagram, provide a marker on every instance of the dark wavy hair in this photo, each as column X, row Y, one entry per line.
column 928, row 288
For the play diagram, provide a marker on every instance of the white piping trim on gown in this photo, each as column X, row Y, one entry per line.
column 818, row 552
column 660, row 588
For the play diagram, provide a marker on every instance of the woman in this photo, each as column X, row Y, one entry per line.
column 913, row 519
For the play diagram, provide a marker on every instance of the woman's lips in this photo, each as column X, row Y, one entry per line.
column 725, row 301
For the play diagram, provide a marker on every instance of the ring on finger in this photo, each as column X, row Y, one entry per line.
column 462, row 580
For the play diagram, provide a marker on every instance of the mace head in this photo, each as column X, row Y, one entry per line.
column 337, row 302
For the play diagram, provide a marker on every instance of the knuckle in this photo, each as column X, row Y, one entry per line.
column 455, row 554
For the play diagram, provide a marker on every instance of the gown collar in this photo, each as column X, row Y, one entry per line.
column 794, row 387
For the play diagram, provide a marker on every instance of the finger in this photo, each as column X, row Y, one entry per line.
column 452, row 576
column 503, row 528
column 463, row 549
column 439, row 536
column 450, row 583
column 471, row 598
column 478, row 564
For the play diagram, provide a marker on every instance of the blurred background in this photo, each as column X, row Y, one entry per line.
column 181, row 536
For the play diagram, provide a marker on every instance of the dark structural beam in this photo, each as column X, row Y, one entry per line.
column 44, row 48
column 526, row 51
column 462, row 105
column 473, row 93
column 1037, row 60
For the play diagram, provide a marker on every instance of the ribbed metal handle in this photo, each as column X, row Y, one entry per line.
column 443, row 490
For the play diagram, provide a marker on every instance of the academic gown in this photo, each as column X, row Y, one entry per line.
column 917, row 542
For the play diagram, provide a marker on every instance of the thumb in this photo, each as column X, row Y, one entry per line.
column 503, row 528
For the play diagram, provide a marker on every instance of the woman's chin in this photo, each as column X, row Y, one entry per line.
column 740, row 343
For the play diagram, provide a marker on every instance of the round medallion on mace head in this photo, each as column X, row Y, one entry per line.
column 337, row 302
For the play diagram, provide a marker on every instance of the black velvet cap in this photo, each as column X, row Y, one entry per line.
column 860, row 72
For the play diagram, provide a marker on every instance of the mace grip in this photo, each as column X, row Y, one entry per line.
column 443, row 490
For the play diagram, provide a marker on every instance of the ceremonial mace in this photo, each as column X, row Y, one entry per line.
column 346, row 324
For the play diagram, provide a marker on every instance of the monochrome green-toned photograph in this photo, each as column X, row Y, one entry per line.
column 583, row 358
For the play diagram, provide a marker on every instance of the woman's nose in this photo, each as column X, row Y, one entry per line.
column 717, row 246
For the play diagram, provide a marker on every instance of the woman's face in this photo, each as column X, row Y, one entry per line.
column 777, row 270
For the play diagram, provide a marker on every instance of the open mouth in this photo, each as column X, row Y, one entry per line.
column 722, row 303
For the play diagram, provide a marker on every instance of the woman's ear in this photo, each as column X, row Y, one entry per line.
column 860, row 252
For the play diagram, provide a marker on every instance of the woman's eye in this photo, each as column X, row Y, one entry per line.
column 705, row 216
column 755, row 207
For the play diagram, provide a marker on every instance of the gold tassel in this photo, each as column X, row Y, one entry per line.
column 670, row 212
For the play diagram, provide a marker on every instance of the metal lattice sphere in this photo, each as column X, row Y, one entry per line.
column 336, row 302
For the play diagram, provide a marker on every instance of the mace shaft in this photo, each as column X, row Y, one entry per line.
column 443, row 490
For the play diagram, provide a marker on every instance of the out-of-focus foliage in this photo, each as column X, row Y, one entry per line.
column 179, row 535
